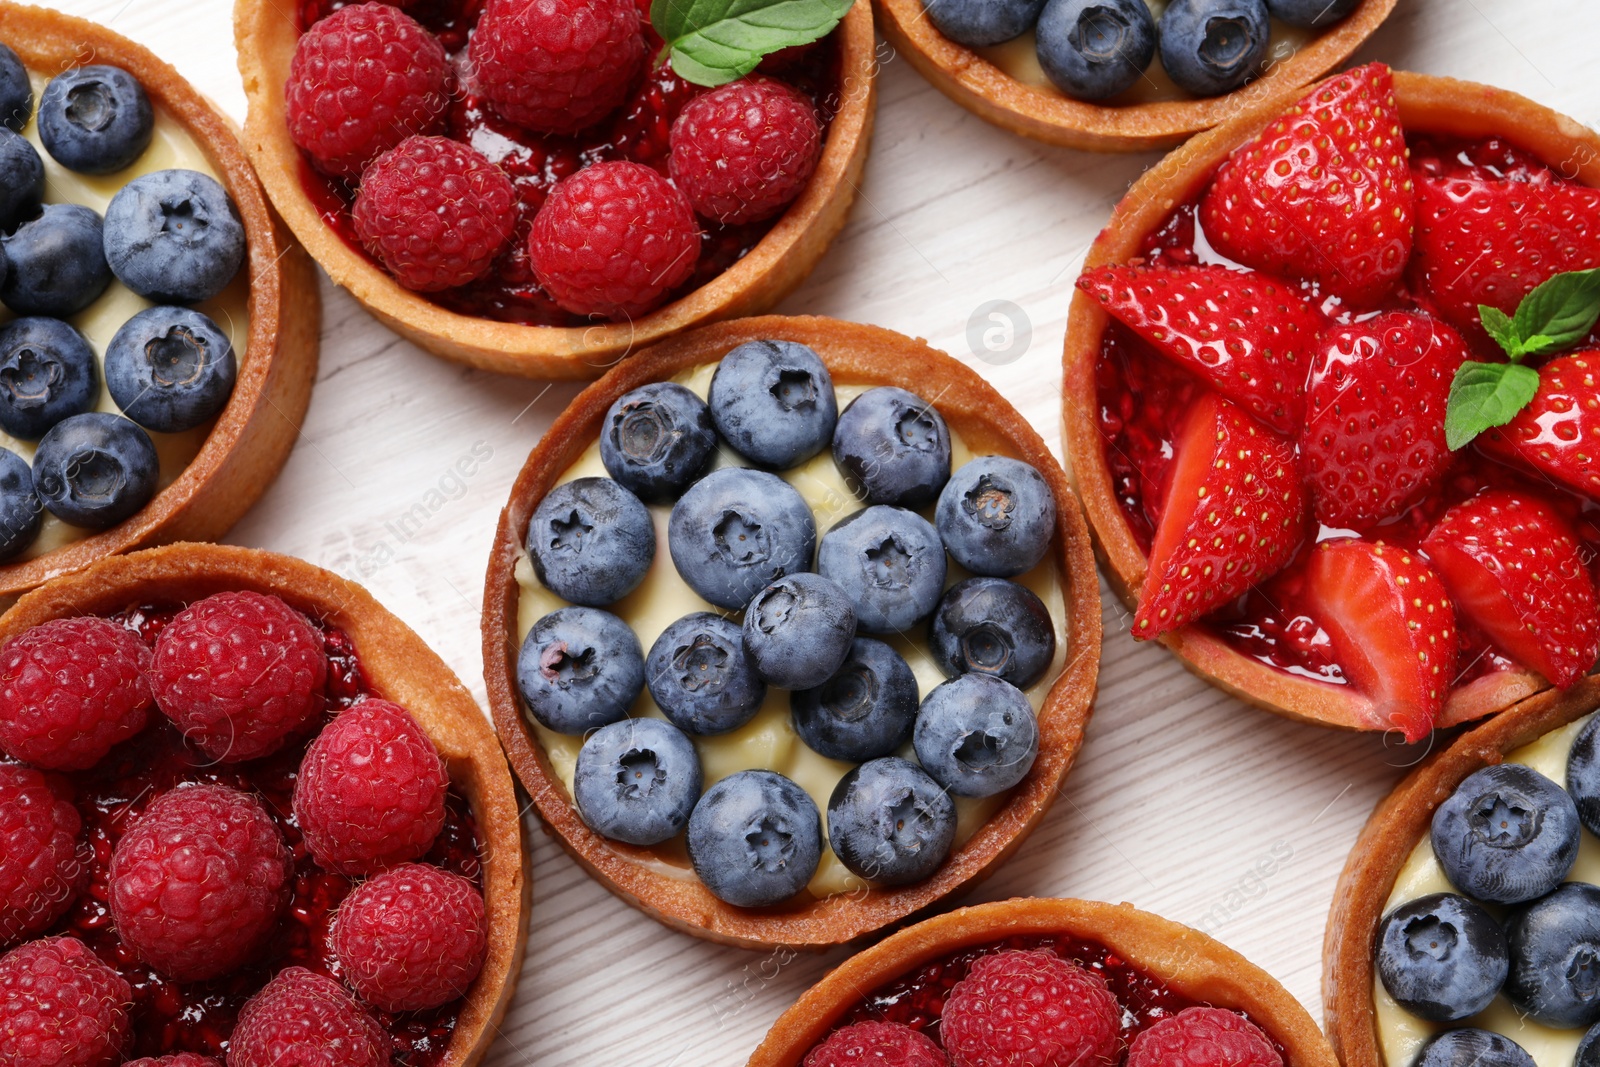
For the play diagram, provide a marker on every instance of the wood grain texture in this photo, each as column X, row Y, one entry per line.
column 1184, row 802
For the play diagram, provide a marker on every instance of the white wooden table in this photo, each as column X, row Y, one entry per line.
column 1183, row 801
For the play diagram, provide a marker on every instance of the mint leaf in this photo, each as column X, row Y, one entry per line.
column 713, row 42
column 1484, row 395
column 1559, row 313
column 1502, row 329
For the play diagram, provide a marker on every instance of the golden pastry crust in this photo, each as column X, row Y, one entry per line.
column 1428, row 104
column 1044, row 115
column 1189, row 962
column 256, row 431
column 266, row 34
column 853, row 354
column 399, row 666
column 1393, row 830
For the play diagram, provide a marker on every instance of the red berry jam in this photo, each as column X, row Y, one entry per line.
column 917, row 1000
column 199, row 1017
column 637, row 132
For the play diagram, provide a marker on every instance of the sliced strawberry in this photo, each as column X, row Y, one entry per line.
column 1492, row 242
column 1558, row 433
column 1242, row 332
column 1324, row 193
column 1373, row 443
column 1514, row 567
column 1234, row 514
column 1391, row 626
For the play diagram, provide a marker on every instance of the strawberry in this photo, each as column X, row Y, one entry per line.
column 1240, row 331
column 1233, row 515
column 1558, row 434
column 1514, row 567
column 1324, row 193
column 1373, row 443
column 1491, row 242
column 1391, row 627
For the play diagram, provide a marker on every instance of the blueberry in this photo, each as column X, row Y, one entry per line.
column 592, row 541
column 864, row 711
column 799, row 630
column 976, row 735
column 58, row 262
column 1588, row 1054
column 16, row 91
column 1555, row 957
column 20, row 510
column 997, row 516
column 95, row 120
column 1311, row 14
column 174, row 236
column 170, row 369
column 773, row 402
column 737, row 530
column 893, row 448
column 1210, row 47
column 1095, row 49
column 580, row 668
column 978, row 23
column 992, row 626
column 1507, row 835
column 21, row 179
column 657, row 440
column 1442, row 957
column 637, row 781
column 755, row 839
column 95, row 470
column 701, row 676
column 890, row 823
column 891, row 563
column 1583, row 774
column 47, row 373
column 1472, row 1048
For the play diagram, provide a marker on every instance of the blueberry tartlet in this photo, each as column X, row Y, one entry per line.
column 783, row 650
column 246, row 810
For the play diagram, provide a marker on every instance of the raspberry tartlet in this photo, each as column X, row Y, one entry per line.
column 1007, row 84
column 1042, row 981
column 613, row 202
column 266, row 817
column 1493, row 911
column 201, row 447
column 1389, row 574
column 878, row 732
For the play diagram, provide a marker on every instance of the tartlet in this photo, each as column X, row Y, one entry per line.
column 1432, row 105
column 252, row 437
column 1053, row 117
column 396, row 664
column 853, row 354
column 767, row 273
column 1188, row 962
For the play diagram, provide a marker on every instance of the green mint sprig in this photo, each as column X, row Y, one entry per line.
column 713, row 42
column 1556, row 315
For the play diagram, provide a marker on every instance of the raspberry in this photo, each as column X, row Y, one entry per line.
column 70, row 689
column 1031, row 1008
column 61, row 1007
column 435, row 212
column 371, row 790
column 41, row 867
column 413, row 937
column 177, row 1059
column 238, row 673
column 307, row 1020
column 612, row 240
column 877, row 1045
column 743, row 152
column 1203, row 1037
column 362, row 80
column 198, row 880
column 557, row 66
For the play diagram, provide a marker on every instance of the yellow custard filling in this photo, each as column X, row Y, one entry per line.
column 1400, row 1034
column 768, row 741
column 171, row 147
